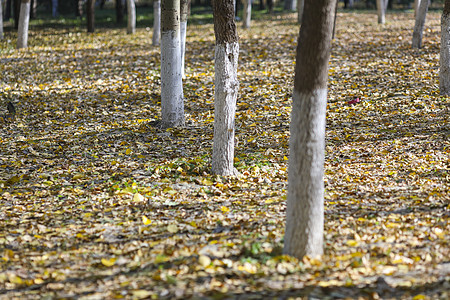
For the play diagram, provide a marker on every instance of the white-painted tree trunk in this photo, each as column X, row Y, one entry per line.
column 290, row 4
column 444, row 72
column 416, row 7
column 225, row 96
column 381, row 11
column 304, row 220
column 131, row 10
column 300, row 5
column 183, row 28
column 420, row 23
column 247, row 13
column 24, row 18
column 156, row 22
column 1, row 20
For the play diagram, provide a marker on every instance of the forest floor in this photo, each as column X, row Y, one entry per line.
column 97, row 203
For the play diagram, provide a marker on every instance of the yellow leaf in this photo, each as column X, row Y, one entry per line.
column 224, row 209
column 352, row 243
column 141, row 294
column 419, row 297
column 236, row 159
column 109, row 262
column 138, row 197
column 285, row 158
column 128, row 152
column 146, row 220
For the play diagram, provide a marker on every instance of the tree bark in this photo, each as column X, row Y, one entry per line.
column 226, row 87
column 381, row 11
column 416, row 7
column 119, row 11
column 24, row 19
column 79, row 8
column 184, row 9
column 420, row 23
column 131, row 10
column 300, row 6
column 156, row 22
column 16, row 11
column 305, row 208
column 1, row 20
column 247, row 17
column 54, row 8
column 172, row 104
column 444, row 72
column 290, row 4
column 90, row 7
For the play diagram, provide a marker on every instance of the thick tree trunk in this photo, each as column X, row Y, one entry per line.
column 420, row 23
column 290, row 4
column 1, row 20
column 247, row 13
column 156, row 22
column 184, row 9
column 444, row 73
column 24, row 19
column 90, row 7
column 172, row 105
column 131, row 10
column 305, row 208
column 381, row 11
column 416, row 7
column 300, row 6
column 226, row 87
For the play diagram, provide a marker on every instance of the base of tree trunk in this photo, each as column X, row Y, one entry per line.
column 444, row 73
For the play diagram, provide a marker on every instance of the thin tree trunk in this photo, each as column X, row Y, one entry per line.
column 300, row 6
column 24, row 19
column 119, row 11
column 16, row 11
column 290, row 4
column 172, row 105
column 420, row 23
column 131, row 10
column 335, row 18
column 416, row 7
column 184, row 9
column 444, row 73
column 247, row 13
column 1, row 20
column 8, row 10
column 90, row 11
column 305, row 208
column 156, row 22
column 226, row 87
column 79, row 8
column 381, row 11
column 54, row 8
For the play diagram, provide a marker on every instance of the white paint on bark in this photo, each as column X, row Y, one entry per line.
column 131, row 10
column 381, row 10
column 172, row 104
column 290, row 4
column 1, row 20
column 225, row 96
column 183, row 28
column 24, row 18
column 156, row 22
column 300, row 5
column 416, row 7
column 305, row 208
column 444, row 73
column 420, row 23
column 247, row 13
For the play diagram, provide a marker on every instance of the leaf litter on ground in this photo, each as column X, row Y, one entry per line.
column 97, row 202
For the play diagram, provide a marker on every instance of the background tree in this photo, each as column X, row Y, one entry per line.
column 172, row 105
column 156, row 22
column 90, row 11
column 420, row 23
column 54, row 8
column 131, row 10
column 226, row 87
column 300, row 6
column 247, row 13
column 290, row 4
column 305, row 208
column 444, row 73
column 79, row 8
column 119, row 11
column 1, row 20
column 381, row 11
column 24, row 19
column 184, row 11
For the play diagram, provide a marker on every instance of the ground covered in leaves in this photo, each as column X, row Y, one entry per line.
column 95, row 202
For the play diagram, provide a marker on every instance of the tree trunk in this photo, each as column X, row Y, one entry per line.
column 247, row 13
column 1, row 20
column 79, row 8
column 300, row 6
column 172, row 105
column 131, row 10
column 184, row 8
column 226, row 87
column 119, row 11
column 8, row 10
column 32, row 9
column 420, row 23
column 381, row 10
column 16, row 11
column 24, row 19
column 90, row 11
column 54, row 8
column 156, row 22
column 305, row 208
column 416, row 7
column 290, row 4
column 444, row 73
